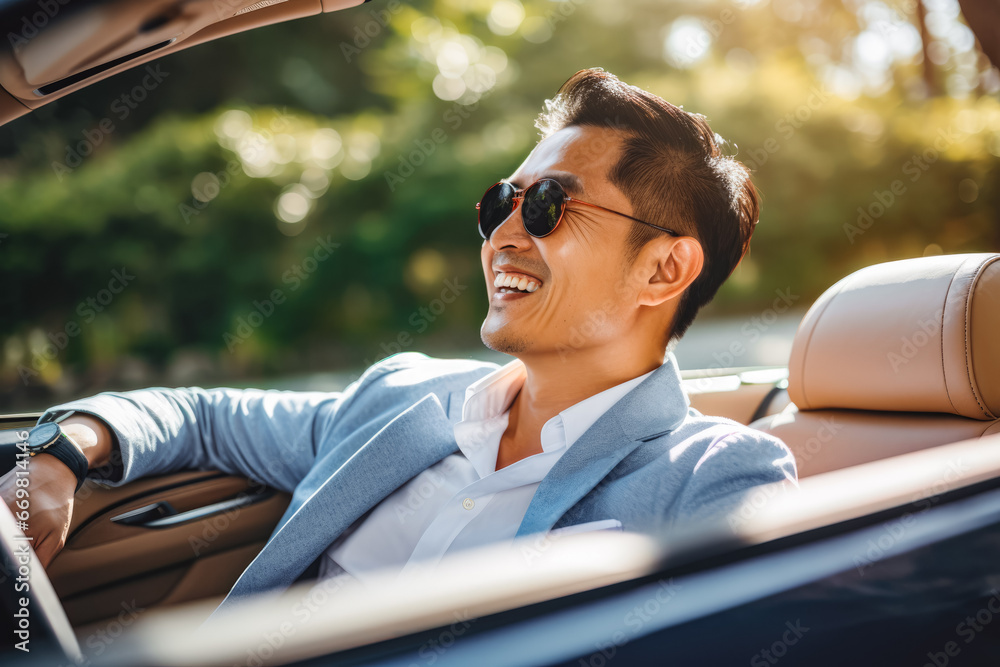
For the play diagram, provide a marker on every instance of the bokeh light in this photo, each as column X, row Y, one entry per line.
column 686, row 42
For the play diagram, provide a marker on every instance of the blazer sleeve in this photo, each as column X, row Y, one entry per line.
column 266, row 435
column 741, row 467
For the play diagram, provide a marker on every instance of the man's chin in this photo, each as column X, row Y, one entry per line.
column 503, row 340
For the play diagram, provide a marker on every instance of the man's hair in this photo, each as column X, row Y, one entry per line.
column 671, row 170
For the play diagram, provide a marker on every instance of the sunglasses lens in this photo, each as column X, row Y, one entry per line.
column 543, row 207
column 495, row 207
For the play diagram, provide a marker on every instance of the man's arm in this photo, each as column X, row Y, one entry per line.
column 93, row 437
column 269, row 436
column 732, row 471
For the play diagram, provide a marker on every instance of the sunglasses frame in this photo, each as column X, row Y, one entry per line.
column 519, row 196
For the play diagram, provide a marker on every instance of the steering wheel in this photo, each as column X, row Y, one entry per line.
column 33, row 617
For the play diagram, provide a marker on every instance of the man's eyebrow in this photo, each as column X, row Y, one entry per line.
column 572, row 184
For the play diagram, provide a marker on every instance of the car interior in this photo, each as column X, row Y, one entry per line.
column 892, row 361
column 929, row 365
column 82, row 43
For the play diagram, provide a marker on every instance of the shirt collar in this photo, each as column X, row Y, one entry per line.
column 576, row 419
column 492, row 395
column 488, row 400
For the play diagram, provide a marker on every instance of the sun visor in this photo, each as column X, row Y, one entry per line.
column 54, row 47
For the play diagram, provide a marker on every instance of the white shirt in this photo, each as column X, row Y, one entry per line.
column 463, row 501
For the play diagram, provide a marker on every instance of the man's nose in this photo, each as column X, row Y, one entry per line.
column 510, row 233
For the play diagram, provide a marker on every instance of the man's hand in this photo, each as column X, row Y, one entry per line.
column 52, row 485
column 51, row 489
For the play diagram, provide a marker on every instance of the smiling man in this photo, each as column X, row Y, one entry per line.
column 598, row 251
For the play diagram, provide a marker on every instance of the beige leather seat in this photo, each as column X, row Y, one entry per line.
column 895, row 358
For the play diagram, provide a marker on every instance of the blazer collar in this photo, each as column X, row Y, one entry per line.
column 658, row 405
column 655, row 407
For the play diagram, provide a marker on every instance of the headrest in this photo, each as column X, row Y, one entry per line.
column 917, row 335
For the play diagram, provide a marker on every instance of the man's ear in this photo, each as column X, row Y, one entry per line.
column 669, row 265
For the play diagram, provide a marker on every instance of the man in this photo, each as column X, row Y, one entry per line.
column 599, row 250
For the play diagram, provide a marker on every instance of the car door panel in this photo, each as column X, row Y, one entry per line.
column 200, row 530
column 105, row 563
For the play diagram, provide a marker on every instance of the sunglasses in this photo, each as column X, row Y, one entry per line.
column 544, row 204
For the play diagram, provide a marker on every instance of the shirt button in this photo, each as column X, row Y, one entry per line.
column 468, row 503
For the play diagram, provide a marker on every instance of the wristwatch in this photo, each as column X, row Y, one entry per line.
column 50, row 438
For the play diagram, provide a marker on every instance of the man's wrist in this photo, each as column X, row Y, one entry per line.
column 91, row 437
column 59, row 468
column 50, row 438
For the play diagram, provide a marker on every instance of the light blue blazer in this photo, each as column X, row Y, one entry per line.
column 650, row 461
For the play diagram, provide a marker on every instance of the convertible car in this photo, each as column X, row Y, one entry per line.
column 890, row 402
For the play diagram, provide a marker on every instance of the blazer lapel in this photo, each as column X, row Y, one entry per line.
column 658, row 405
column 456, row 402
column 413, row 441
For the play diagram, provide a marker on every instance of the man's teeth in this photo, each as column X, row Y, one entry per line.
column 515, row 282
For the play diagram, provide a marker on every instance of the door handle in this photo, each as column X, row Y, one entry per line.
column 143, row 515
column 164, row 515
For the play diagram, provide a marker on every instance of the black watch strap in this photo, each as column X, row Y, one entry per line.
column 49, row 438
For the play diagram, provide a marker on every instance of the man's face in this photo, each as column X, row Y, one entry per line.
column 582, row 299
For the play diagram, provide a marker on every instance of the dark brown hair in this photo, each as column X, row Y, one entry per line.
column 671, row 170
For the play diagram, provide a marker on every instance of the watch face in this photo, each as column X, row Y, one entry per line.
column 42, row 436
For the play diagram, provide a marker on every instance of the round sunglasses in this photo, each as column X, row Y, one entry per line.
column 545, row 203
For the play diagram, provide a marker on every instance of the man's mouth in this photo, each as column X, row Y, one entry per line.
column 515, row 283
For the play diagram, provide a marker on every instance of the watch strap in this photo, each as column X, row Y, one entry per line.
column 66, row 451
column 113, row 471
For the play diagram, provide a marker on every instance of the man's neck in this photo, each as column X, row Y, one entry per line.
column 554, row 383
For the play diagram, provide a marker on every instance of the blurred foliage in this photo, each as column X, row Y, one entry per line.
column 373, row 131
